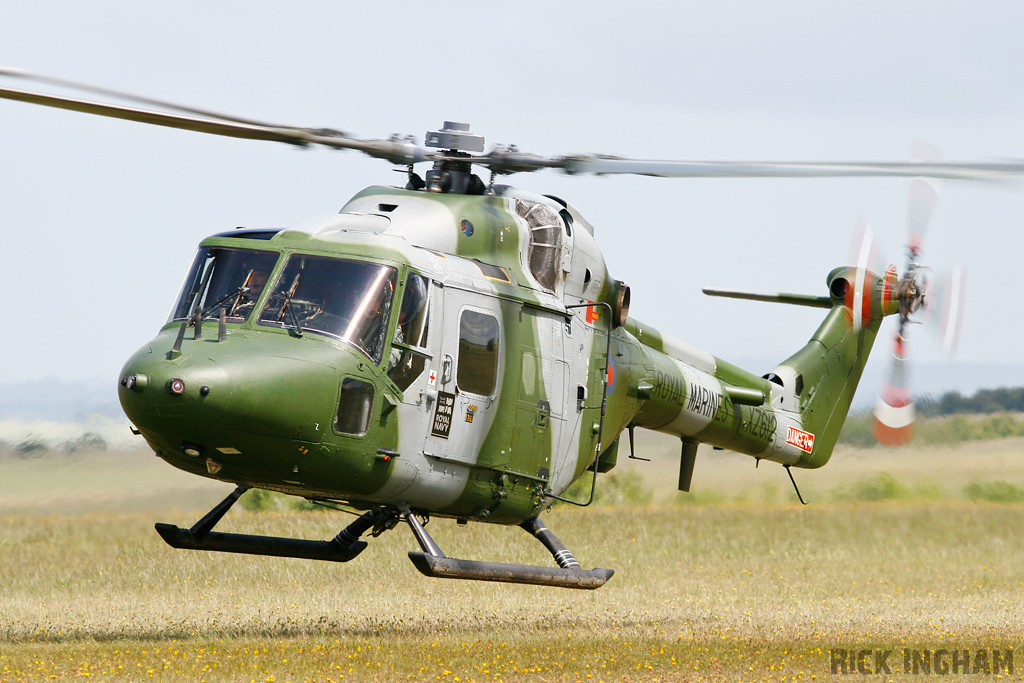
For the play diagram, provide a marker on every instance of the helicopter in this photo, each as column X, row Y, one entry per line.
column 456, row 348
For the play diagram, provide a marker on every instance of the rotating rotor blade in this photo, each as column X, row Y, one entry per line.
column 924, row 194
column 741, row 169
column 13, row 72
column 946, row 296
column 200, row 125
column 893, row 417
column 863, row 256
column 395, row 150
column 508, row 160
column 501, row 160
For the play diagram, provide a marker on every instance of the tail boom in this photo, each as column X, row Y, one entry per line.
column 805, row 399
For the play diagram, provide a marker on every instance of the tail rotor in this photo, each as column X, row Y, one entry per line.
column 863, row 255
column 946, row 294
column 894, row 414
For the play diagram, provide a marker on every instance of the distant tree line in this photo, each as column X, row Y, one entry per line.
column 34, row 447
column 951, row 418
column 1002, row 400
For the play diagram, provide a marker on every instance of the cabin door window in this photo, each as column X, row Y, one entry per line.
column 467, row 379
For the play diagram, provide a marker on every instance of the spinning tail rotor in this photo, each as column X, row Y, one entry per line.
column 894, row 414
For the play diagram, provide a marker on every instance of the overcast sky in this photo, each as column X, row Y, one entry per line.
column 100, row 218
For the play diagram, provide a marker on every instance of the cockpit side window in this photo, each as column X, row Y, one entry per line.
column 354, row 407
column 412, row 318
column 348, row 300
column 545, row 241
column 224, row 278
column 478, row 353
column 406, row 362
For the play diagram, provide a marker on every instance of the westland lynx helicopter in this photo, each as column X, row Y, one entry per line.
column 456, row 348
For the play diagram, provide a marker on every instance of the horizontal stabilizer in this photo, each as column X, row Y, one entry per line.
column 779, row 298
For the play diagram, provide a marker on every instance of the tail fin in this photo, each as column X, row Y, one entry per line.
column 827, row 370
column 820, row 379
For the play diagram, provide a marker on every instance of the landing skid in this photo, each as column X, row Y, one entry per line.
column 450, row 568
column 346, row 546
column 432, row 562
column 274, row 546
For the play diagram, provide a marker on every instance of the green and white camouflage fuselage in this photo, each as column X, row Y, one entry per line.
column 496, row 402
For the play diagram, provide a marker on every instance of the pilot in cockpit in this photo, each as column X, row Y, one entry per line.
column 257, row 281
column 249, row 292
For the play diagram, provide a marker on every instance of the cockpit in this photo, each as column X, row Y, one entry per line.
column 347, row 300
column 224, row 279
column 343, row 299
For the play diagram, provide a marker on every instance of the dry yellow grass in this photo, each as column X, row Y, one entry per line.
column 944, row 470
column 738, row 591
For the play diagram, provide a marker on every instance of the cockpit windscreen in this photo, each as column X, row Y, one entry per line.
column 349, row 300
column 224, row 278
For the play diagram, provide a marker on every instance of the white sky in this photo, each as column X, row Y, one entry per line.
column 100, row 218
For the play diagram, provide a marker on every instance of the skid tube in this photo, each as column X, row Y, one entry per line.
column 568, row 574
column 342, row 548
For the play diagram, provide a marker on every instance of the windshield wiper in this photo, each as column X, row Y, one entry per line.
column 244, row 289
column 213, row 307
column 196, row 318
column 176, row 349
column 295, row 322
column 286, row 307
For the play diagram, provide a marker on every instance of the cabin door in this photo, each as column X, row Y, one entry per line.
column 542, row 396
column 468, row 379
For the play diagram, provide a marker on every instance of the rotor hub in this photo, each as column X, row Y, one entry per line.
column 455, row 137
column 910, row 294
column 452, row 172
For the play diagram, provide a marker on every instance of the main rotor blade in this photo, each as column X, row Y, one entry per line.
column 952, row 170
column 501, row 160
column 14, row 72
column 395, row 150
column 508, row 160
column 235, row 130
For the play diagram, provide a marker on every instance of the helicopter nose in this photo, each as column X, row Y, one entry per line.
column 218, row 397
column 155, row 393
column 286, row 397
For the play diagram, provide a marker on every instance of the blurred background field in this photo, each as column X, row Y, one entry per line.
column 72, row 469
column 917, row 547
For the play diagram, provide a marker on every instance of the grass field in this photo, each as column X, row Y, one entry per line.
column 750, row 587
